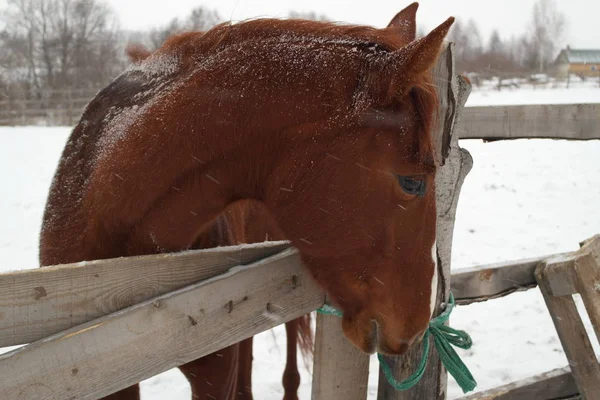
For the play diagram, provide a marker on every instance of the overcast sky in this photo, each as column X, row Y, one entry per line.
column 509, row 16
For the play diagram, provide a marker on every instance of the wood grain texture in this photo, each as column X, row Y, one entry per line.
column 559, row 274
column 453, row 93
column 573, row 337
column 485, row 282
column 110, row 353
column 555, row 384
column 38, row 303
column 587, row 281
column 554, row 121
column 41, row 302
column 340, row 370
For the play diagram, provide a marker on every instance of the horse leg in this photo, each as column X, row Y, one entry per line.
column 214, row 376
column 291, row 376
column 245, row 371
column 130, row 393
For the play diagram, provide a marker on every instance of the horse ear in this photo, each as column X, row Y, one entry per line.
column 405, row 22
column 417, row 57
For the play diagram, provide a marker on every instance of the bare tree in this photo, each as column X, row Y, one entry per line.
column 468, row 44
column 463, row 47
column 159, row 35
column 199, row 19
column 548, row 28
column 458, row 35
column 61, row 43
column 311, row 15
column 202, row 19
column 495, row 46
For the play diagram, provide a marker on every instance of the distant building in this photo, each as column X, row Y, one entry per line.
column 582, row 63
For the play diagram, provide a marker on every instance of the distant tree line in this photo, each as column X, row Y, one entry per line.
column 533, row 51
column 51, row 46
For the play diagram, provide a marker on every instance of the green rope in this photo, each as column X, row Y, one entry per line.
column 444, row 338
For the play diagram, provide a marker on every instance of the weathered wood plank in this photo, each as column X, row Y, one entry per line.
column 587, row 272
column 452, row 93
column 561, row 270
column 573, row 337
column 555, row 121
column 555, row 384
column 490, row 281
column 559, row 274
column 112, row 352
column 587, row 281
column 24, row 319
column 578, row 272
column 340, row 370
column 41, row 302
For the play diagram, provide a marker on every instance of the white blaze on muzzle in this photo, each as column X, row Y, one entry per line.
column 434, row 280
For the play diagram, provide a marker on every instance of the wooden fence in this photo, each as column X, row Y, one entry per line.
column 51, row 107
column 92, row 323
column 98, row 327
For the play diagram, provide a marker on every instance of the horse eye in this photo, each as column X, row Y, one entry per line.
column 412, row 185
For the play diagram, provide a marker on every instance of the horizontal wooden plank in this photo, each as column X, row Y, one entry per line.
column 41, row 302
column 555, row 121
column 555, row 384
column 38, row 303
column 120, row 349
column 481, row 283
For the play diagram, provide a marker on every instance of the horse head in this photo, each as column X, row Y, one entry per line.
column 356, row 195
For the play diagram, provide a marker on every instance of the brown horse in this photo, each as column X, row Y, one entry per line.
column 315, row 132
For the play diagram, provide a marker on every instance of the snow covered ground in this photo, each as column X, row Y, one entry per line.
column 534, row 96
column 523, row 198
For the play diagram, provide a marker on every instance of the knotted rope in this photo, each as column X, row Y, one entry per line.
column 444, row 337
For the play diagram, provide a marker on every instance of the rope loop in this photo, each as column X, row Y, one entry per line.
column 444, row 337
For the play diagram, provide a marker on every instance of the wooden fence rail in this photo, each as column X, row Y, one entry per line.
column 111, row 353
column 548, row 121
column 37, row 303
column 41, row 302
column 556, row 384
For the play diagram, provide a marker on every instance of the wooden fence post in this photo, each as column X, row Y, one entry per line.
column 453, row 92
column 340, row 370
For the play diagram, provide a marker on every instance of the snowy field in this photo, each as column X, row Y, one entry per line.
column 523, row 198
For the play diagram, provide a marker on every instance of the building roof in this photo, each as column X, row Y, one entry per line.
column 575, row 56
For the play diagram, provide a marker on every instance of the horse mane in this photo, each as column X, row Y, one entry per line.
column 191, row 48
